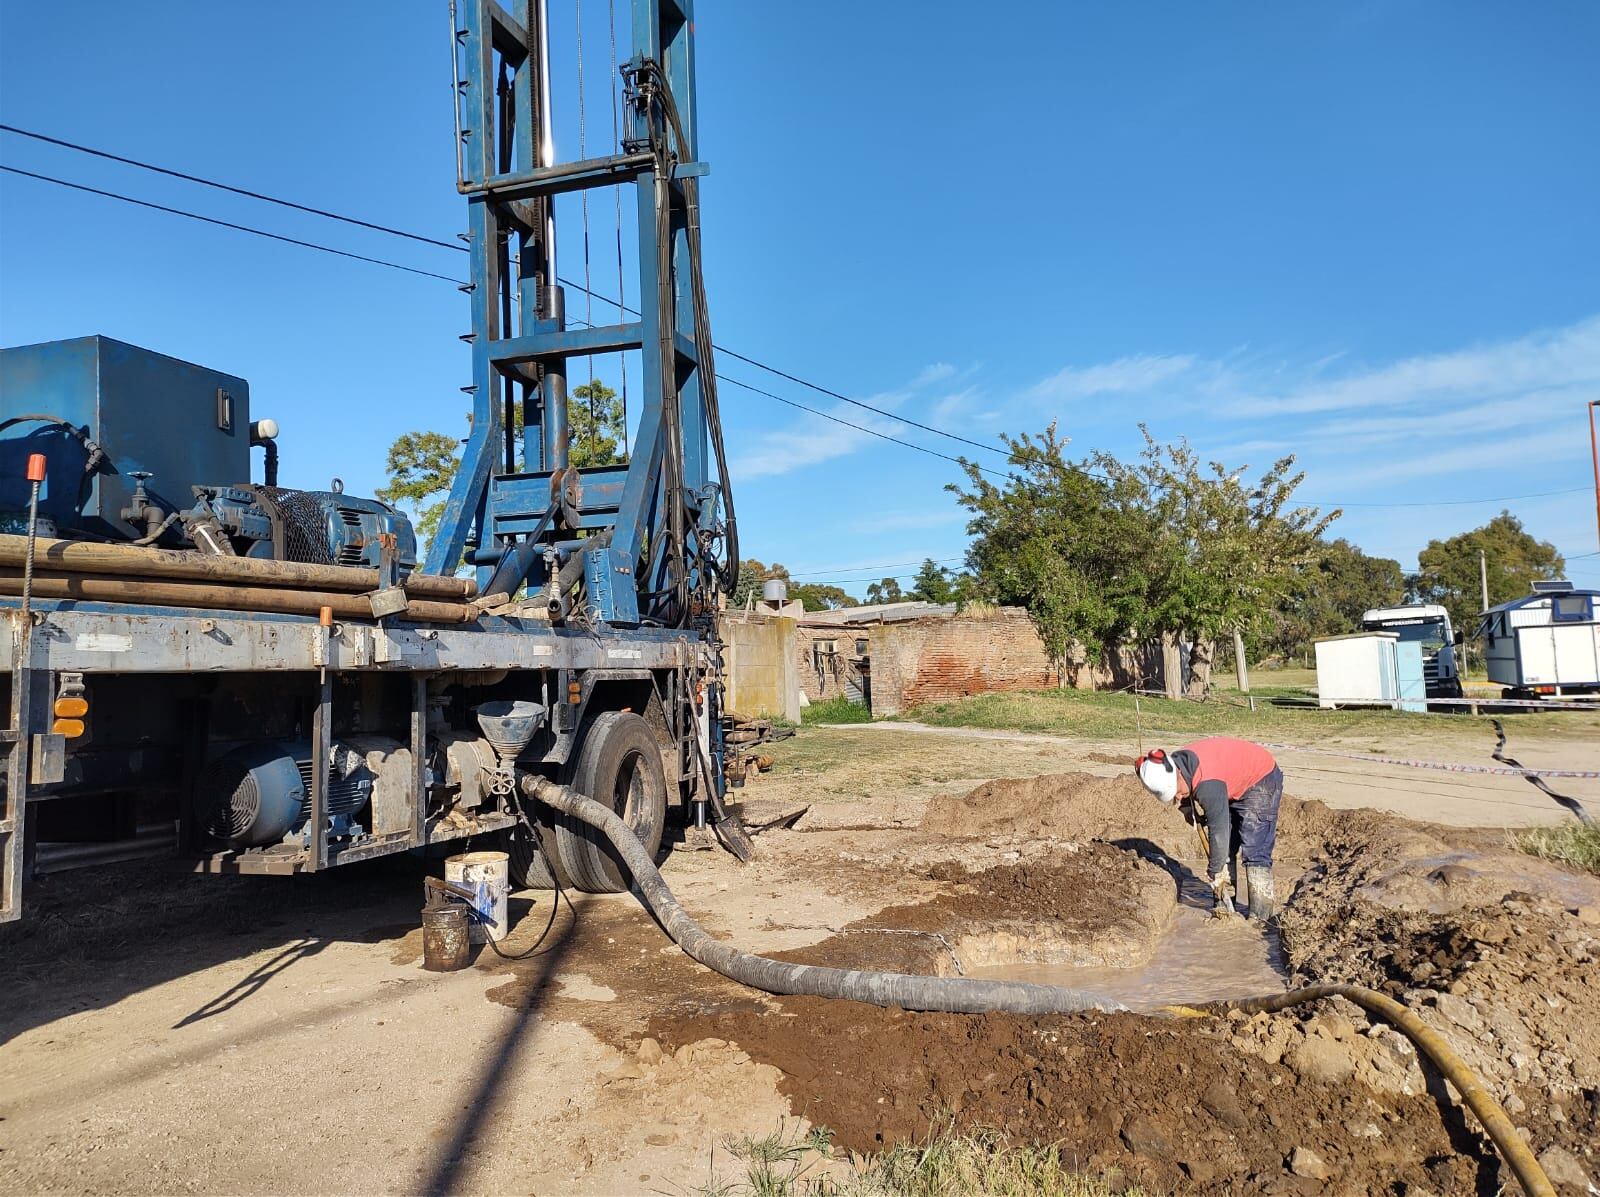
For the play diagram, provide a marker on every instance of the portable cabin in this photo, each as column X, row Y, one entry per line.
column 1545, row 643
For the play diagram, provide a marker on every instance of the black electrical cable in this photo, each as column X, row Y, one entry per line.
column 228, row 224
column 618, row 304
column 556, row 894
column 204, row 182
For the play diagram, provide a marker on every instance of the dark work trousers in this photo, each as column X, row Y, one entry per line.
column 1245, row 826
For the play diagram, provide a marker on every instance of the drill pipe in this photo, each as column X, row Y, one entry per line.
column 72, row 556
column 95, row 588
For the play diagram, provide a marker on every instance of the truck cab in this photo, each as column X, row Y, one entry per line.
column 1427, row 624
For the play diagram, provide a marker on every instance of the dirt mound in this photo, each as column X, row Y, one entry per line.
column 1170, row 1103
column 1066, row 806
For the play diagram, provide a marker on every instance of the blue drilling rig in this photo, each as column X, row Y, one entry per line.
column 265, row 678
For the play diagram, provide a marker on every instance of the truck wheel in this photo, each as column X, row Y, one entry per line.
column 529, row 866
column 619, row 764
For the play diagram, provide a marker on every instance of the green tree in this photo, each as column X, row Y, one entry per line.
column 1329, row 596
column 594, row 425
column 752, row 574
column 819, row 597
column 1104, row 552
column 422, row 465
column 886, row 591
column 932, row 583
column 1448, row 569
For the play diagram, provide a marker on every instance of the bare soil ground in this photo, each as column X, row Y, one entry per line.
column 169, row 1033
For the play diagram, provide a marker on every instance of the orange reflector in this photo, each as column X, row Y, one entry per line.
column 70, row 728
column 72, row 708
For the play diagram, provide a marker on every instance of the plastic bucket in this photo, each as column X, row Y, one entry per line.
column 487, row 874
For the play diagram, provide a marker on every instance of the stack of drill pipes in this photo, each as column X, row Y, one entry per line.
column 99, row 588
column 74, row 557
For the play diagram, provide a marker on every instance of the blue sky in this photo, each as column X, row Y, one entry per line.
column 1361, row 233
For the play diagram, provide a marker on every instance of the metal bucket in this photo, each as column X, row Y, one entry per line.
column 446, row 941
column 488, row 874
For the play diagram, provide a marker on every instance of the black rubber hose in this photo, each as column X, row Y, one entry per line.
column 955, row 995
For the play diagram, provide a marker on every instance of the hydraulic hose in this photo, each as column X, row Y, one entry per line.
column 1517, row 1154
column 954, row 995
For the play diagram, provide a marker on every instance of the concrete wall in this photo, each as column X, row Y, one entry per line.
column 762, row 666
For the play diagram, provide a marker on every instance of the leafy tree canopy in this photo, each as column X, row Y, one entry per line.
column 933, row 583
column 1104, row 552
column 422, row 465
column 1329, row 596
column 815, row 596
column 1448, row 569
column 886, row 591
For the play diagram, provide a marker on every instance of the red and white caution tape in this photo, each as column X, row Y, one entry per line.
column 1441, row 766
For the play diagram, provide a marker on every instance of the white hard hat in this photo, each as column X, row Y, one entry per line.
column 1159, row 775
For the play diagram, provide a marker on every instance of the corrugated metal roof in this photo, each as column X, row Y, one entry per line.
column 880, row 613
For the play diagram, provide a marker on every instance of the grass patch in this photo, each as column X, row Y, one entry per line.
column 838, row 709
column 1114, row 716
column 1575, row 845
column 949, row 1164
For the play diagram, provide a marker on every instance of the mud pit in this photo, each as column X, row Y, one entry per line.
column 1495, row 949
column 190, row 1034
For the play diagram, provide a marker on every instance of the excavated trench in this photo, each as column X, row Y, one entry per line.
column 1105, row 898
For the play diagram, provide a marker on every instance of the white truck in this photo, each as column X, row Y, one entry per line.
column 1427, row 624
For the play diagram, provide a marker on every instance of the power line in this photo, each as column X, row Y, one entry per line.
column 1543, row 494
column 382, row 228
column 205, row 182
column 227, row 224
column 845, row 569
column 618, row 304
column 860, row 427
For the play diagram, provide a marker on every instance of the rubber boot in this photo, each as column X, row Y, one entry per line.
column 1261, row 892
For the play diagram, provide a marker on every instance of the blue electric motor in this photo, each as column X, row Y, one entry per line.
column 260, row 794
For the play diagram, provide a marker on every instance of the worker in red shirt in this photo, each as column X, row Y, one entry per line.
column 1234, row 787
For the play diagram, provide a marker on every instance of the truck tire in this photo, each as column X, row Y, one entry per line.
column 529, row 863
column 618, row 764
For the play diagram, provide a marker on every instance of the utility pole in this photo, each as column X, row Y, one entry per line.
column 1483, row 578
column 1594, row 451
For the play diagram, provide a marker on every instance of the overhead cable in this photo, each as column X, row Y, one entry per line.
column 227, row 224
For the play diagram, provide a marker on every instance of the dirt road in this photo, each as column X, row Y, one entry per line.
column 169, row 1033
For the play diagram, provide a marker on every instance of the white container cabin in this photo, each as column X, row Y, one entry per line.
column 1544, row 644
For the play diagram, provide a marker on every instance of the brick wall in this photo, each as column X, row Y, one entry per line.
column 933, row 659
column 925, row 660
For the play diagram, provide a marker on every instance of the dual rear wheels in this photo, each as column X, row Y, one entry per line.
column 618, row 762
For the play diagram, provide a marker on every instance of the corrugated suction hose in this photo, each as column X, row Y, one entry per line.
column 964, row 995
column 955, row 995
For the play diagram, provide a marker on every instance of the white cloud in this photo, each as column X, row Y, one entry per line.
column 908, row 521
column 1126, row 375
column 1518, row 460
column 812, row 440
column 1542, row 361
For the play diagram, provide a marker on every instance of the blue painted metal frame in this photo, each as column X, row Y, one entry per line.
column 491, row 505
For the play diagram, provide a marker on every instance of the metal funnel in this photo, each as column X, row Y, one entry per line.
column 508, row 725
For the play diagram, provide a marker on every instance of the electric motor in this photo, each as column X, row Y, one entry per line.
column 260, row 794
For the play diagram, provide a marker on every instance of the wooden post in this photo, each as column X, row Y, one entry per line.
column 1241, row 667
